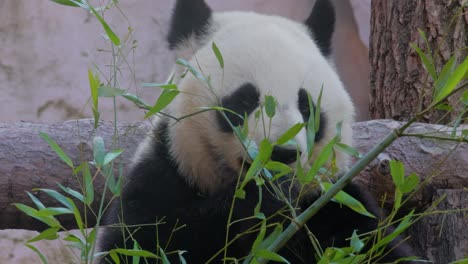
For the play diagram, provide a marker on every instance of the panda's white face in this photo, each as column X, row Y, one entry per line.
column 263, row 55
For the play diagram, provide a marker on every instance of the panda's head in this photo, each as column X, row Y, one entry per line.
column 263, row 55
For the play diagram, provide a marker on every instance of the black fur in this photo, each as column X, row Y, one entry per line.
column 304, row 108
column 155, row 191
column 242, row 101
column 321, row 24
column 189, row 17
column 284, row 155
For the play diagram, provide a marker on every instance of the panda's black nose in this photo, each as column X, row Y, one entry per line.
column 284, row 155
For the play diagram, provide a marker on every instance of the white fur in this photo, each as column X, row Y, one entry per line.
column 276, row 55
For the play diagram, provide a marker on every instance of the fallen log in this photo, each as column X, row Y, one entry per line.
column 27, row 162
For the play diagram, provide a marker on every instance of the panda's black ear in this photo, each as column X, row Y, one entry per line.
column 321, row 23
column 189, row 17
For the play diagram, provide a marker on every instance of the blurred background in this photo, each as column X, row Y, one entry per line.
column 46, row 50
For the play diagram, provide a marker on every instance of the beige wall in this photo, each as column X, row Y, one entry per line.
column 46, row 49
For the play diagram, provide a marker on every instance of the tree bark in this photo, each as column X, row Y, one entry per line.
column 27, row 162
column 400, row 86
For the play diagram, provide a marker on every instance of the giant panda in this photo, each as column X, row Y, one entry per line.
column 178, row 195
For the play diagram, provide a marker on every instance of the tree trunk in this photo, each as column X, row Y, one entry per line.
column 27, row 162
column 400, row 86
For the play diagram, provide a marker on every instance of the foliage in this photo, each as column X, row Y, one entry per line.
column 262, row 170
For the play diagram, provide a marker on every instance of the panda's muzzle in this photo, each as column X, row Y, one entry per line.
column 285, row 155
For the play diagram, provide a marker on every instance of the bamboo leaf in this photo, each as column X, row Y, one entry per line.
column 136, row 100
column 88, row 184
column 166, row 97
column 289, row 134
column 111, row 156
column 427, row 61
column 452, row 81
column 347, row 200
column 66, row 2
column 99, row 151
column 218, row 55
column 270, row 106
column 112, row 36
column 109, row 91
column 397, row 170
column 41, row 256
column 410, row 183
column 164, row 86
column 48, row 234
column 57, row 149
column 322, row 158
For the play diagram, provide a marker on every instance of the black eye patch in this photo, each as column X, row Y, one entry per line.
column 242, row 101
column 304, row 109
column 303, row 104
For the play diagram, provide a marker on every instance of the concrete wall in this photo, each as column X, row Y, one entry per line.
column 46, row 50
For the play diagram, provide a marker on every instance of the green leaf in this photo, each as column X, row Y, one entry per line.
column 410, row 183
column 259, row 238
column 136, row 100
column 426, row 60
column 181, row 258
column 301, row 176
column 41, row 256
column 356, row 243
column 265, row 150
column 272, row 237
column 270, row 106
column 266, row 254
column 66, row 2
column 451, row 82
column 136, row 259
column 166, row 97
column 218, row 55
column 322, row 158
column 240, row 194
column 57, row 149
column 60, row 198
column 53, row 211
column 113, row 37
column 164, row 258
column 88, row 185
column 109, row 91
column 347, row 200
column 290, row 134
column 94, row 84
column 99, row 151
column 465, row 97
column 48, row 234
column 114, row 187
column 397, row 170
column 444, row 107
column 36, row 201
column 68, row 203
column 280, row 169
column 164, row 86
column 192, row 70
column 404, row 224
column 109, row 157
column 48, row 220
column 114, row 256
column 72, row 192
column 133, row 252
column 348, row 150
